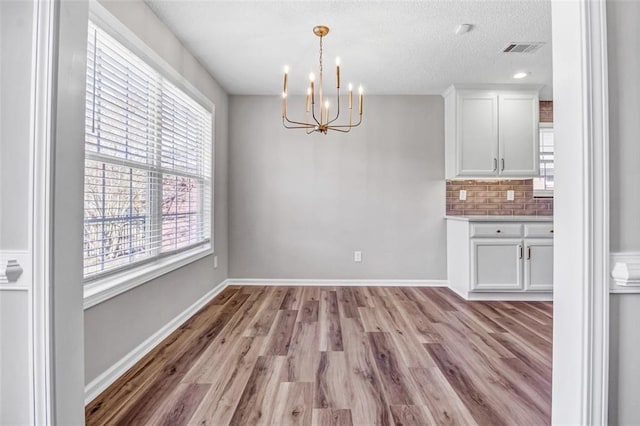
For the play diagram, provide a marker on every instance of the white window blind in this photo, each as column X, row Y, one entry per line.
column 545, row 183
column 148, row 144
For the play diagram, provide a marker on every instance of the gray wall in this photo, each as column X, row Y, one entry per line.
column 115, row 327
column 15, row 86
column 624, row 368
column 623, row 34
column 15, row 81
column 624, row 109
column 301, row 204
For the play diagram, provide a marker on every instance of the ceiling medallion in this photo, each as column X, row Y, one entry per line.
column 319, row 119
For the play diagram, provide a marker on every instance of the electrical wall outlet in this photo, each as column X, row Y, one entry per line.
column 463, row 195
column 215, row 262
column 510, row 195
column 357, row 256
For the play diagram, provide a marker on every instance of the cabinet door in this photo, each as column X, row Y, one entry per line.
column 518, row 135
column 477, row 134
column 496, row 264
column 538, row 265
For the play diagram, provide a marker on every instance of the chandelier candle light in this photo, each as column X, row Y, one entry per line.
column 321, row 121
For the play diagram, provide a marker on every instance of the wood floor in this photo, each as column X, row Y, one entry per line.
column 342, row 355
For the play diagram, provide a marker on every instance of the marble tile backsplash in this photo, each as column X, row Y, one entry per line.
column 489, row 197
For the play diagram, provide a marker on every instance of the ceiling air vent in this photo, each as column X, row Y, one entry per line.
column 523, row 47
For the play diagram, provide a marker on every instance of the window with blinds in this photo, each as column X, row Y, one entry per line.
column 147, row 188
column 543, row 186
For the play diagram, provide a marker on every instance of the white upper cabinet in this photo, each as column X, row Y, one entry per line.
column 491, row 133
column 518, row 134
column 478, row 130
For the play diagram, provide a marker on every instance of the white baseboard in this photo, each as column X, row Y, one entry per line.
column 332, row 282
column 463, row 294
column 512, row 297
column 104, row 380
column 625, row 272
column 503, row 296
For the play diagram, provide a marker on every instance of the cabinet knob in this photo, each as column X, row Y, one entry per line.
column 551, row 231
column 498, row 231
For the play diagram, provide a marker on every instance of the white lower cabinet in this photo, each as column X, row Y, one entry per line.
column 496, row 264
column 538, row 264
column 492, row 257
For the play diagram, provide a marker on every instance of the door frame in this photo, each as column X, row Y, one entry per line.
column 581, row 213
column 581, row 298
column 42, row 130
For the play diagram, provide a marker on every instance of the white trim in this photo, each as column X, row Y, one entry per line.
column 333, row 282
column 527, row 296
column 461, row 293
column 98, row 291
column 24, row 260
column 597, row 207
column 493, row 295
column 6, row 287
column 42, row 101
column 581, row 214
column 625, row 274
column 489, row 86
column 542, row 193
column 104, row 380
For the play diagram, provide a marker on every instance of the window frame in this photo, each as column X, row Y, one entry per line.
column 544, row 193
column 99, row 288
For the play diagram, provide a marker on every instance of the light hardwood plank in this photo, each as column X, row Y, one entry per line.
column 292, row 299
column 331, row 417
column 407, row 415
column 329, row 321
column 368, row 404
column 332, row 386
column 280, row 337
column 293, row 404
column 398, row 388
column 179, row 408
column 228, row 383
column 440, row 399
column 304, row 354
column 258, row 399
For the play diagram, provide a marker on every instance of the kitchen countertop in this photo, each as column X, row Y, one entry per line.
column 501, row 218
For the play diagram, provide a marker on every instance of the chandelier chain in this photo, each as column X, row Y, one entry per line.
column 321, row 55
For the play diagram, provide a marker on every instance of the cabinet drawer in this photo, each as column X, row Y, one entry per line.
column 496, row 230
column 539, row 230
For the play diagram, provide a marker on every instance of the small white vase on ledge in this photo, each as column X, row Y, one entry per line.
column 13, row 271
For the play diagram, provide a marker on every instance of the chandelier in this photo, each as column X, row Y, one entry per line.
column 319, row 119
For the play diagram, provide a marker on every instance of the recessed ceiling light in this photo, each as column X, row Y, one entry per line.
column 520, row 75
column 463, row 28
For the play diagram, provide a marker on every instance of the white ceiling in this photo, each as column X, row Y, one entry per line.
column 391, row 47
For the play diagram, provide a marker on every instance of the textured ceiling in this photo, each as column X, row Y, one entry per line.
column 391, row 47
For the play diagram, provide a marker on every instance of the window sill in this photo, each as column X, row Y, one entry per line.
column 542, row 193
column 111, row 286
